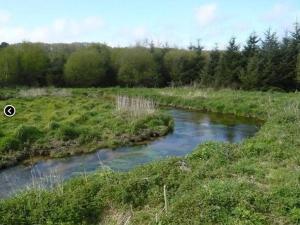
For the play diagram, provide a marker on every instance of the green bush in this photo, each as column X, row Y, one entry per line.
column 27, row 133
column 9, row 143
column 87, row 67
column 138, row 68
column 68, row 132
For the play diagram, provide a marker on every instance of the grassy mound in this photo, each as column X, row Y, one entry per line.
column 57, row 123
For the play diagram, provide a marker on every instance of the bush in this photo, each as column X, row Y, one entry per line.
column 9, row 143
column 9, row 66
column 181, row 66
column 68, row 132
column 27, row 134
column 138, row 68
column 87, row 67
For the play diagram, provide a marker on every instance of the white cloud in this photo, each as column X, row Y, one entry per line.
column 206, row 14
column 60, row 30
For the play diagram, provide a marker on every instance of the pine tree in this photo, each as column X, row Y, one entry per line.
column 270, row 55
column 250, row 76
column 250, row 65
column 289, row 50
column 220, row 80
column 232, row 63
column 252, row 47
column 209, row 77
column 298, row 72
column 199, row 63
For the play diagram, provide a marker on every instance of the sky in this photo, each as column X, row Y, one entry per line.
column 124, row 23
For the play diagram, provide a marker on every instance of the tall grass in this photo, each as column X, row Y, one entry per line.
column 38, row 92
column 32, row 92
column 135, row 106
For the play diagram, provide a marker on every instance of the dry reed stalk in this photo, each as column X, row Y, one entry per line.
column 136, row 106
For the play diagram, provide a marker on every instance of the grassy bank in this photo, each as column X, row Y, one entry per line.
column 60, row 122
column 255, row 182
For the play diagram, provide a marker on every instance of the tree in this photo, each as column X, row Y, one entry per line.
column 209, row 77
column 158, row 56
column 289, row 50
column 250, row 76
column 86, row 67
column 252, row 47
column 270, row 60
column 55, row 72
column 9, row 66
column 199, row 63
column 250, row 73
column 4, row 45
column 220, row 73
column 138, row 68
column 298, row 71
column 33, row 63
column 230, row 66
column 181, row 66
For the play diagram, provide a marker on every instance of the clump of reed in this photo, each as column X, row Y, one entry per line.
column 186, row 93
column 135, row 106
column 39, row 92
column 32, row 92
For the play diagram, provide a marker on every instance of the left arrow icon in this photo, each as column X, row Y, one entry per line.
column 9, row 110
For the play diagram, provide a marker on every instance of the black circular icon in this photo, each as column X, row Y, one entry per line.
column 9, row 110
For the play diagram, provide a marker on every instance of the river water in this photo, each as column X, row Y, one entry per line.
column 191, row 128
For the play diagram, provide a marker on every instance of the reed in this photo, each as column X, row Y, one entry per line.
column 32, row 92
column 135, row 106
column 39, row 92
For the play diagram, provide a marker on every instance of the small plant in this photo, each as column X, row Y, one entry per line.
column 135, row 107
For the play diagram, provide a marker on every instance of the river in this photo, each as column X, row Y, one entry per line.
column 191, row 128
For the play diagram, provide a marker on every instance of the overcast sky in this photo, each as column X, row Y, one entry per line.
column 122, row 23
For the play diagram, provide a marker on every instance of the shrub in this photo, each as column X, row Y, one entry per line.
column 27, row 133
column 9, row 143
column 138, row 68
column 87, row 67
column 68, row 132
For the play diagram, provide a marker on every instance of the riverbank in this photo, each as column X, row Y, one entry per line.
column 55, row 123
column 255, row 182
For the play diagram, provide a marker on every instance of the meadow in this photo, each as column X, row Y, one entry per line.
column 64, row 122
column 254, row 182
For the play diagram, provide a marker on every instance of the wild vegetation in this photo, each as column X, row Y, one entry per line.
column 255, row 182
column 262, row 63
column 60, row 122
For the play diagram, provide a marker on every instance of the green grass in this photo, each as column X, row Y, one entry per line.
column 47, row 124
column 255, row 182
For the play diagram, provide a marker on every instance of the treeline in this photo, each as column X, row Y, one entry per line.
column 262, row 63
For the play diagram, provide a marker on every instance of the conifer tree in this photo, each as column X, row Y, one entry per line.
column 250, row 76
column 252, row 46
column 270, row 60
column 230, row 68
column 298, row 72
column 289, row 50
column 209, row 77
column 199, row 63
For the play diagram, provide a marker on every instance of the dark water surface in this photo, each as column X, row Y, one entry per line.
column 191, row 128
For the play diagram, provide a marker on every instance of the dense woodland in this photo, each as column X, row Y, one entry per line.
column 262, row 63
